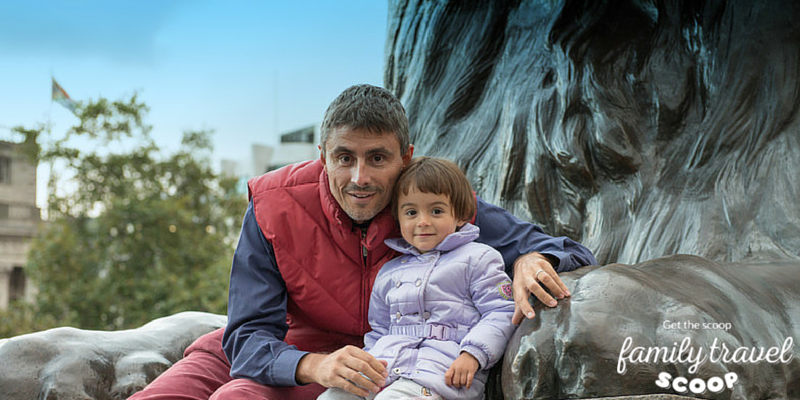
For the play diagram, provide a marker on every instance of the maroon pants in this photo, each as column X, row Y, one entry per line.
column 204, row 374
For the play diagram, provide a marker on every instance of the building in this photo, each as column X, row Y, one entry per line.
column 19, row 221
column 262, row 157
column 295, row 146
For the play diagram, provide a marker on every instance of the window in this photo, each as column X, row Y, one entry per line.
column 4, row 211
column 304, row 135
column 16, row 285
column 5, row 170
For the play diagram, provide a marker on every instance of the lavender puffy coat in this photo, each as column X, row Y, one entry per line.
column 427, row 308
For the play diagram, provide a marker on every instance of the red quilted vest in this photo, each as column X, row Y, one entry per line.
column 320, row 255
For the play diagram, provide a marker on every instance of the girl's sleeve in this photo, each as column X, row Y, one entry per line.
column 490, row 288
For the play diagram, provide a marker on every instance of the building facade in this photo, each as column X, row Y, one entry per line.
column 298, row 145
column 19, row 221
column 295, row 146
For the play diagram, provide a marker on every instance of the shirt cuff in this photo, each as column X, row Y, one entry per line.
column 559, row 260
column 285, row 367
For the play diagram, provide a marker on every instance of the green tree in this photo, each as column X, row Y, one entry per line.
column 136, row 235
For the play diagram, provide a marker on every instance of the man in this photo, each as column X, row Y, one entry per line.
column 310, row 248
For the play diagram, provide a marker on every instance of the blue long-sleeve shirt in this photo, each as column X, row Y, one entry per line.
column 513, row 237
column 253, row 339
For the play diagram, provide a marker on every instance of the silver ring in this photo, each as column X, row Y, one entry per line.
column 537, row 275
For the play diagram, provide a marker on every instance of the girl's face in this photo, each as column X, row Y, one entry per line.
column 425, row 219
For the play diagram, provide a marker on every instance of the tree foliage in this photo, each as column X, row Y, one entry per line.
column 136, row 234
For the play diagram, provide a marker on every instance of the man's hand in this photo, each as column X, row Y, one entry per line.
column 461, row 371
column 343, row 369
column 529, row 270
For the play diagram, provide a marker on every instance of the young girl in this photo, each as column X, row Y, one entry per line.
column 440, row 312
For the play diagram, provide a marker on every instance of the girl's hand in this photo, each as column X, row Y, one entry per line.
column 461, row 371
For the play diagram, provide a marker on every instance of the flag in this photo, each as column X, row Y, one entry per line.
column 61, row 97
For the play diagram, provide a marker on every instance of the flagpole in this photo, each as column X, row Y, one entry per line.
column 275, row 104
column 51, row 184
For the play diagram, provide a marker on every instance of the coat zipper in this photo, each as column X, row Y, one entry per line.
column 365, row 295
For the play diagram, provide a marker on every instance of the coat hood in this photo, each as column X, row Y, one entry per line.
column 466, row 234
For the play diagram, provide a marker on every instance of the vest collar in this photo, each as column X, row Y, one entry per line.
column 333, row 211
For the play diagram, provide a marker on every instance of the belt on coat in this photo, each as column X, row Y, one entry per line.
column 428, row 331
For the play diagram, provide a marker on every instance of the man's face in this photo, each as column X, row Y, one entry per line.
column 362, row 169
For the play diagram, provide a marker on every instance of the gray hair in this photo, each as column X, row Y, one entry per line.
column 368, row 107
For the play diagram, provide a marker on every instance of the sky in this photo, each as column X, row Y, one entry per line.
column 248, row 70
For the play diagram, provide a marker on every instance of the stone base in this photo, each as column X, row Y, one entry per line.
column 646, row 397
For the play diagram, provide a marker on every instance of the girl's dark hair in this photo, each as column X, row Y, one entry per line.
column 437, row 176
